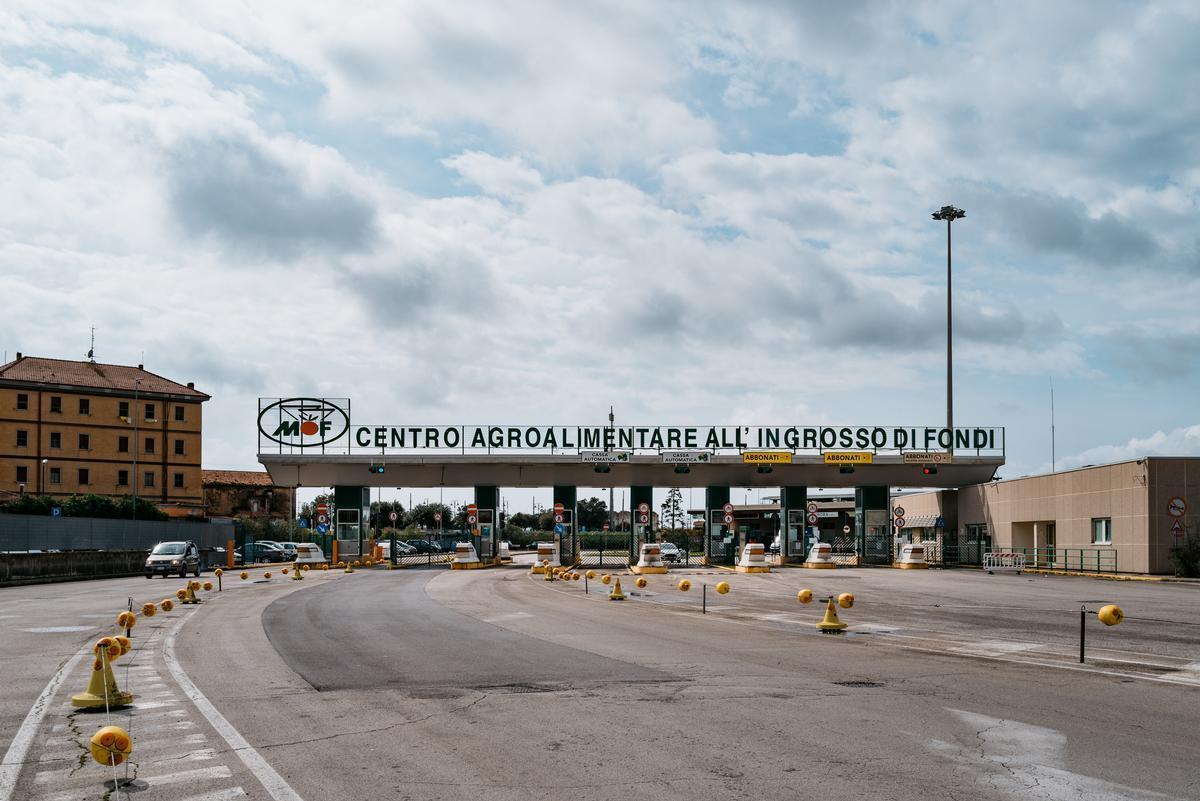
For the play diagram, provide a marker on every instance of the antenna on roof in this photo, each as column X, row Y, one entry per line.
column 92, row 350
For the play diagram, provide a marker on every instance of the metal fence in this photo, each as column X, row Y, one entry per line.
column 41, row 533
column 1081, row 560
column 597, row 549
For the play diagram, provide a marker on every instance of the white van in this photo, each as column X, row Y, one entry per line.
column 309, row 553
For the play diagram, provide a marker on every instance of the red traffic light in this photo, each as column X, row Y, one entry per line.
column 928, row 471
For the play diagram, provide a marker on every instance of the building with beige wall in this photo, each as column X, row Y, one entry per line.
column 246, row 494
column 79, row 427
column 1096, row 513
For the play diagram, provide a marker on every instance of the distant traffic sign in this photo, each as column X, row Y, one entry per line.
column 56, row 511
column 302, row 522
column 558, row 509
column 812, row 507
column 899, row 522
column 471, row 520
column 322, row 508
column 437, row 517
column 728, row 519
column 559, row 529
column 812, row 520
column 643, row 507
column 322, row 518
column 643, row 518
column 322, row 528
column 899, row 511
column 472, row 508
column 727, row 508
column 1177, row 529
column 1177, row 507
column 393, row 516
column 558, row 518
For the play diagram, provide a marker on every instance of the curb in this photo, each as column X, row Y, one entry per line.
column 1112, row 576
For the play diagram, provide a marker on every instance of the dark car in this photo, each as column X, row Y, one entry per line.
column 424, row 546
column 168, row 558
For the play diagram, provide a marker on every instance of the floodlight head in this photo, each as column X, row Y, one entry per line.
column 949, row 213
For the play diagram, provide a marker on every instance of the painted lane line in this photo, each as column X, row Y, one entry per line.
column 215, row 772
column 271, row 781
column 199, row 755
column 219, row 795
column 18, row 749
column 58, row 629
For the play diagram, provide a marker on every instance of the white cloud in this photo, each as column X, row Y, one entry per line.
column 1183, row 441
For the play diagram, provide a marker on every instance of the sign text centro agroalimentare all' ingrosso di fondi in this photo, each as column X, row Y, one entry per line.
column 311, row 422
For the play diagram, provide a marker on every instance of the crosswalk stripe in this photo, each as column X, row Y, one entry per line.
column 228, row 794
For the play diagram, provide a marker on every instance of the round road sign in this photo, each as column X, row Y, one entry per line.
column 727, row 508
column 558, row 507
column 558, row 518
column 812, row 507
column 472, row 508
column 470, row 520
column 899, row 511
column 643, row 518
column 899, row 522
column 322, row 519
column 1177, row 507
column 812, row 520
column 393, row 517
column 728, row 519
column 437, row 517
column 643, row 507
column 845, row 529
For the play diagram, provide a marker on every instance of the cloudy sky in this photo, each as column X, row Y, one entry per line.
column 697, row 212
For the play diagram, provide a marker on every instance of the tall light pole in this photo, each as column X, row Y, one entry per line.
column 949, row 214
column 612, row 520
column 44, row 490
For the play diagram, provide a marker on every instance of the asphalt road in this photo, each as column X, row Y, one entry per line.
column 432, row 684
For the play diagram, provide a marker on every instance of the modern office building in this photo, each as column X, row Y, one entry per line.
column 79, row 427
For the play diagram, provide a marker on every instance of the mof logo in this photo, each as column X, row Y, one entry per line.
column 303, row 422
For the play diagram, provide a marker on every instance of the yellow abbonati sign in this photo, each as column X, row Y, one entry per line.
column 767, row 457
column 849, row 457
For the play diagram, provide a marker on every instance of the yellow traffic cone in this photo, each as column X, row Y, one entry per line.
column 102, row 689
column 349, row 568
column 548, row 574
column 296, row 572
column 830, row 623
column 616, row 594
column 190, row 596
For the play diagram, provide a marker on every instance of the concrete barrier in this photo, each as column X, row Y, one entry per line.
column 821, row 557
column 912, row 556
column 39, row 568
column 465, row 557
column 754, row 559
column 649, row 560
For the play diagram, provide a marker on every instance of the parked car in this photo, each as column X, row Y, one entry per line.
column 402, row 549
column 670, row 552
column 291, row 548
column 167, row 558
column 268, row 551
column 423, row 546
column 308, row 553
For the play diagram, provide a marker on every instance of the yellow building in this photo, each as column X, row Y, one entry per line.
column 79, row 427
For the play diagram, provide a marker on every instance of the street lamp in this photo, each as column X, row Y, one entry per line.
column 44, row 490
column 949, row 214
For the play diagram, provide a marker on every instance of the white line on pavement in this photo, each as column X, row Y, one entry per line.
column 10, row 769
column 220, row 795
column 274, row 784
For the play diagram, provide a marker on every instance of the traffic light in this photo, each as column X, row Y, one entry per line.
column 765, row 468
column 929, row 471
column 375, row 468
column 845, row 469
column 503, row 519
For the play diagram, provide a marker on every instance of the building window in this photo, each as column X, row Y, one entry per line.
column 123, row 444
column 55, row 439
column 22, row 438
column 83, row 477
column 149, row 444
column 122, row 478
column 22, row 474
column 1101, row 530
column 150, row 411
column 85, row 442
column 22, row 401
column 179, row 414
column 179, row 447
column 179, row 481
column 123, row 409
column 85, row 406
column 55, row 475
column 148, row 479
column 55, row 404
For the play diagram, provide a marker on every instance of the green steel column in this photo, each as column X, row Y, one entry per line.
column 488, row 497
column 868, row 500
column 638, row 495
column 568, row 496
column 714, row 499
column 349, row 516
column 791, row 499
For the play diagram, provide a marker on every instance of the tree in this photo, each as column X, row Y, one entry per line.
column 422, row 515
column 381, row 513
column 593, row 514
column 523, row 520
column 672, row 508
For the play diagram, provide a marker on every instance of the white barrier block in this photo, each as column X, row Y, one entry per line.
column 820, row 557
column 753, row 559
column 912, row 556
column 650, row 559
column 465, row 557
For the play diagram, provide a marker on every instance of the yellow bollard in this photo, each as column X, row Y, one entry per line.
column 207, row 586
column 845, row 600
column 575, row 576
column 606, row 578
column 267, row 575
column 110, row 746
column 125, row 643
column 1110, row 615
column 189, row 594
column 149, row 610
column 167, row 604
column 684, row 585
column 126, row 620
column 284, row 571
column 804, row 596
column 722, row 587
column 243, row 575
column 218, row 572
column 591, row 574
column 640, row 583
column 181, row 594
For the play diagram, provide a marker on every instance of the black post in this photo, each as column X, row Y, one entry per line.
column 585, row 586
column 704, row 599
column 1082, row 631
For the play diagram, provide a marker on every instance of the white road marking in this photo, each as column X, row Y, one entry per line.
column 215, row 772
column 57, row 629
column 994, row 647
column 10, row 768
column 274, row 784
column 219, row 795
column 199, row 755
column 1018, row 756
column 510, row 616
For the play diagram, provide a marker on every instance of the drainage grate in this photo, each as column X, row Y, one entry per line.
column 859, row 684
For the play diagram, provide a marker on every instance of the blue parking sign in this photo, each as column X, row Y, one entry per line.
column 56, row 511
